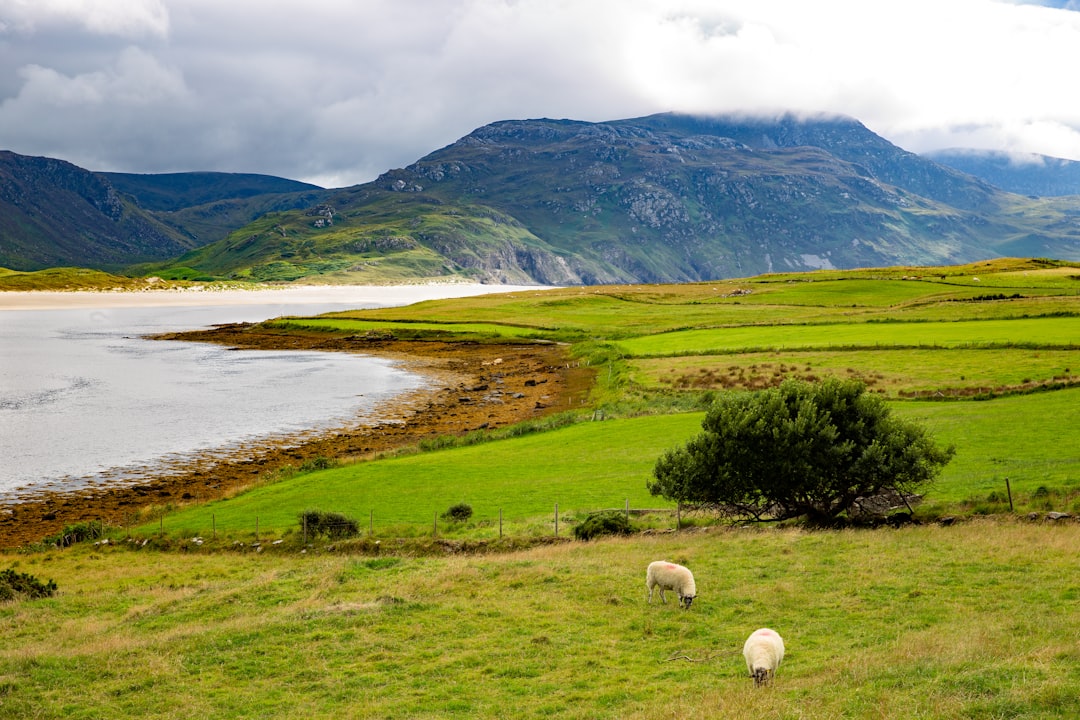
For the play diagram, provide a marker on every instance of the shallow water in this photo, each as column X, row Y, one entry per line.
column 85, row 399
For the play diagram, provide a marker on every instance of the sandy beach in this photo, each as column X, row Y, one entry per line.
column 299, row 295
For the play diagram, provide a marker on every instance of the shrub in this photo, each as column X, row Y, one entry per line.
column 458, row 513
column 317, row 463
column 14, row 585
column 605, row 522
column 76, row 533
column 817, row 450
column 331, row 524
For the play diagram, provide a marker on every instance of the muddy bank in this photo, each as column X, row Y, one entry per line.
column 474, row 386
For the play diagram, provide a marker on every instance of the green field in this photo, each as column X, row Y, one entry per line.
column 1002, row 389
column 505, row 616
column 1035, row 332
column 978, row 620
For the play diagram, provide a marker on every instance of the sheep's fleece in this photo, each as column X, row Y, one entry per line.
column 764, row 650
column 669, row 576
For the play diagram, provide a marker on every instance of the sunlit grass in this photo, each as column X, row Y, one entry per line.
column 973, row 620
column 951, row 372
column 589, row 466
column 1049, row 332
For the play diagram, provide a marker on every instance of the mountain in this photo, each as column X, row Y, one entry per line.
column 53, row 213
column 170, row 192
column 664, row 198
column 1022, row 173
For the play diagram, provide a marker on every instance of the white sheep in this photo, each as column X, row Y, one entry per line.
column 669, row 576
column 764, row 650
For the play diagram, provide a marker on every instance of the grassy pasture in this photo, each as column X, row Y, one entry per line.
column 896, row 372
column 1049, row 332
column 979, row 620
column 429, row 330
column 1030, row 439
column 598, row 465
column 626, row 311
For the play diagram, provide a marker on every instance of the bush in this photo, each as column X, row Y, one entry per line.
column 458, row 513
column 817, row 450
column 318, row 463
column 14, row 585
column 331, row 524
column 605, row 522
column 76, row 533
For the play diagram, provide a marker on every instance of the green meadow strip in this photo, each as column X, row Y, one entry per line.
column 1029, row 439
column 1048, row 332
column 412, row 328
column 944, row 373
column 1033, row 440
column 588, row 466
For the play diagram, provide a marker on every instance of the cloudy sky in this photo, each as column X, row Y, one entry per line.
column 337, row 91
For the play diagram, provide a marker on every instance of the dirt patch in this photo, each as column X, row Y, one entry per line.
column 475, row 386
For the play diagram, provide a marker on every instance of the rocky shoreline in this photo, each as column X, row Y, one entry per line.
column 474, row 386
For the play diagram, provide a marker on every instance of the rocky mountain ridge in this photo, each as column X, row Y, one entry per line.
column 664, row 198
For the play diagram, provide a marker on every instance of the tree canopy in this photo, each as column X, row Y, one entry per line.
column 801, row 449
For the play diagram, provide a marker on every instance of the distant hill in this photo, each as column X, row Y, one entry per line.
column 665, row 198
column 1023, row 173
column 176, row 191
column 53, row 213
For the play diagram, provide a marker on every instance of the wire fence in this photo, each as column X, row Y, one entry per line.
column 314, row 524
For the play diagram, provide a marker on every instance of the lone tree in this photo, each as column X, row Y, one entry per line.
column 802, row 449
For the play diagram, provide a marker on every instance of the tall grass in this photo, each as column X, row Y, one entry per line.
column 970, row 621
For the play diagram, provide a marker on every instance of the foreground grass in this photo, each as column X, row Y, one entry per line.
column 969, row 621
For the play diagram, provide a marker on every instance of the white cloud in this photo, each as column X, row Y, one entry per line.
column 125, row 18
column 341, row 90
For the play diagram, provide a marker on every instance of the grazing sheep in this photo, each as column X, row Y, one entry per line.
column 669, row 576
column 764, row 650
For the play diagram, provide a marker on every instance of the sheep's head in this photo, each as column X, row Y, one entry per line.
column 685, row 601
column 762, row 676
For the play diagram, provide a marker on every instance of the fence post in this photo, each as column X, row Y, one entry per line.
column 627, row 509
column 500, row 523
column 304, row 516
column 556, row 519
column 1008, row 489
column 678, row 517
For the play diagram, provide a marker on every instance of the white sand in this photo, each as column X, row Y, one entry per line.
column 360, row 294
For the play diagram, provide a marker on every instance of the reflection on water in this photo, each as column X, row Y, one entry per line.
column 83, row 397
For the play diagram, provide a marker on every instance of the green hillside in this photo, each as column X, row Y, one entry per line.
column 666, row 198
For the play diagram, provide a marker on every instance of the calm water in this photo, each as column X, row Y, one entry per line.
column 84, row 399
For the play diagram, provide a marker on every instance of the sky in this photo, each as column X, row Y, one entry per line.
column 336, row 92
